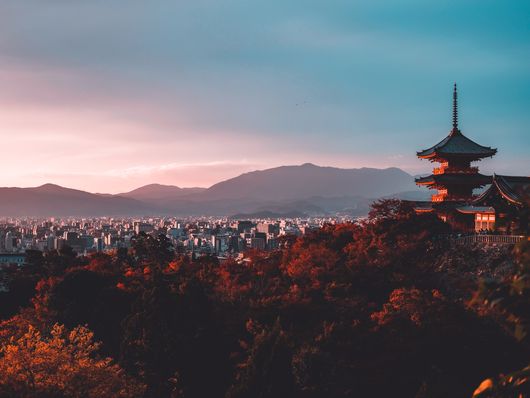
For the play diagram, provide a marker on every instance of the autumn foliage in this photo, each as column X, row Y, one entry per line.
column 371, row 309
column 63, row 363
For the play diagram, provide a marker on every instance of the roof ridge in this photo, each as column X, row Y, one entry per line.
column 462, row 145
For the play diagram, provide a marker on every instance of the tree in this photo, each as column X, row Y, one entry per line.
column 390, row 208
column 173, row 335
column 61, row 364
column 83, row 297
column 150, row 249
column 511, row 299
column 267, row 371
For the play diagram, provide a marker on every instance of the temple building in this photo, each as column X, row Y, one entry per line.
column 503, row 206
column 507, row 201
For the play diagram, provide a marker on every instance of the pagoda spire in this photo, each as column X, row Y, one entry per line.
column 455, row 109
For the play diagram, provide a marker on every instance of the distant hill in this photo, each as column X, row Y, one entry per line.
column 54, row 200
column 159, row 194
column 418, row 194
column 308, row 180
column 268, row 214
column 305, row 189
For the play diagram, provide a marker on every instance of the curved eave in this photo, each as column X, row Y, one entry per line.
column 419, row 182
column 457, row 144
column 500, row 185
column 506, row 196
column 510, row 199
column 454, row 179
column 506, row 192
column 491, row 152
column 476, row 209
column 483, row 195
column 448, row 155
column 423, row 210
column 431, row 152
column 428, row 156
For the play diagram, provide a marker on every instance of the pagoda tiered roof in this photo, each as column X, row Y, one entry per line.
column 474, row 179
column 457, row 144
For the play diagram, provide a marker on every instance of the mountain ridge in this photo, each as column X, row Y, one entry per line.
column 292, row 182
column 157, row 191
column 306, row 188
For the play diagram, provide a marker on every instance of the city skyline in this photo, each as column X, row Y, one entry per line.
column 106, row 98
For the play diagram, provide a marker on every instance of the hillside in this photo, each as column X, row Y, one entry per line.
column 308, row 189
column 308, row 180
column 54, row 200
column 159, row 192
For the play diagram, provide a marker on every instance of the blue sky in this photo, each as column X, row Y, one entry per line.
column 107, row 95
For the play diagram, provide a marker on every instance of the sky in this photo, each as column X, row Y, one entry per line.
column 109, row 95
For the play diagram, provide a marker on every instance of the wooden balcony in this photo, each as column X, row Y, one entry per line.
column 444, row 197
column 455, row 170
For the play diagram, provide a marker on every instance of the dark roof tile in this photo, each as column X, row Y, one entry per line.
column 457, row 144
column 515, row 189
column 458, row 178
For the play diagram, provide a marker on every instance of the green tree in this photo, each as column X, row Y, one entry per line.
column 511, row 299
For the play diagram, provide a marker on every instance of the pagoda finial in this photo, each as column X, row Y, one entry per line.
column 455, row 109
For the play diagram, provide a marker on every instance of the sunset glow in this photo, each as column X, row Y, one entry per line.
column 106, row 97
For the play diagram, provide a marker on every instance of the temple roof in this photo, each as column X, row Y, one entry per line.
column 457, row 144
column 476, row 209
column 515, row 189
column 422, row 206
column 454, row 179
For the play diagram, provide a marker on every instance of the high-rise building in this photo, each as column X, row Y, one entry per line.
column 142, row 227
column 268, row 228
column 8, row 245
column 244, row 226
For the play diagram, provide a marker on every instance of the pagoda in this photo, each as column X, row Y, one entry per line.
column 455, row 178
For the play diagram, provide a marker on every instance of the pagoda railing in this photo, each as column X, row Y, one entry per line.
column 440, row 197
column 491, row 239
column 455, row 170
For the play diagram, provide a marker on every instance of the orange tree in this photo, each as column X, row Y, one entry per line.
column 61, row 364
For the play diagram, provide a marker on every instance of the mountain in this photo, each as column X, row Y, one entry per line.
column 159, row 194
column 309, row 180
column 54, row 200
column 305, row 189
column 268, row 214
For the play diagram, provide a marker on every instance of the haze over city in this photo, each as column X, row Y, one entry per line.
column 107, row 96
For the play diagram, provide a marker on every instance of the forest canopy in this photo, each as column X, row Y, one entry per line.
column 385, row 307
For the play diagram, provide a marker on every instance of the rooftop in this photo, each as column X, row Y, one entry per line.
column 515, row 189
column 456, row 179
column 476, row 209
column 456, row 144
